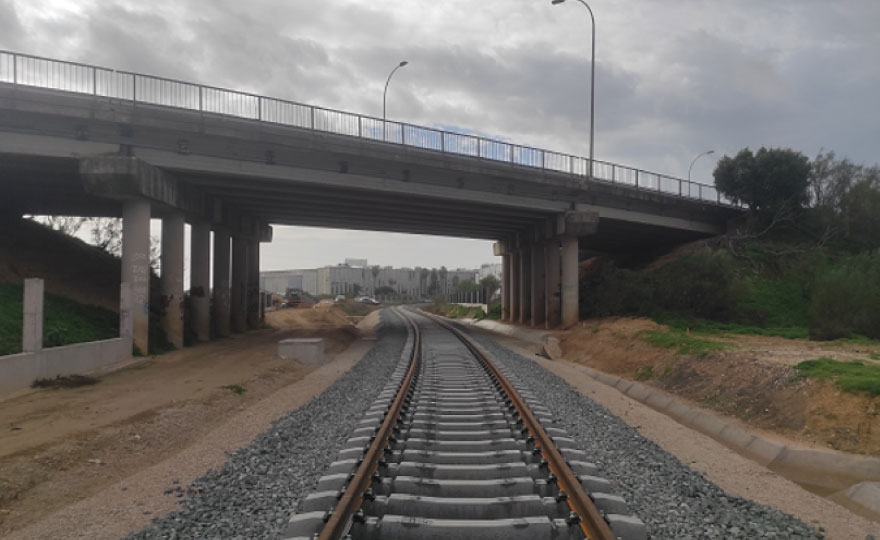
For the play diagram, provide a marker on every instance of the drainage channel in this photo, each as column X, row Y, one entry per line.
column 465, row 451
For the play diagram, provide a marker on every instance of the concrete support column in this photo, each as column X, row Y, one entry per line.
column 253, row 285
column 513, row 291
column 505, row 287
column 539, row 286
column 239, row 283
column 554, row 283
column 221, row 282
column 125, row 328
column 569, row 281
column 172, row 278
column 200, row 279
column 32, row 323
column 136, row 267
column 525, row 285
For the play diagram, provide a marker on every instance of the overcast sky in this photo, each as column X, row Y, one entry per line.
column 672, row 78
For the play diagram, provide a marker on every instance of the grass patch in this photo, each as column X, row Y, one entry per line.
column 237, row 388
column 67, row 381
column 455, row 311
column 875, row 356
column 65, row 321
column 683, row 343
column 704, row 326
column 849, row 376
column 645, row 373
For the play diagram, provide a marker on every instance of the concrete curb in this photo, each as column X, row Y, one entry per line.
column 853, row 480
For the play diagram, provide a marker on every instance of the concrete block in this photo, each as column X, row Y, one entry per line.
column 680, row 411
column 735, row 438
column 307, row 350
column 862, row 498
column 639, row 392
column 830, row 470
column 762, row 450
column 707, row 424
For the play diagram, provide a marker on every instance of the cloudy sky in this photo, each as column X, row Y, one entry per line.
column 672, row 78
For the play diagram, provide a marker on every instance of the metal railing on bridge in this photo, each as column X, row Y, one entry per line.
column 40, row 72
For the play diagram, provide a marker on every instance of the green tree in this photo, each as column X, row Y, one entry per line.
column 490, row 284
column 767, row 181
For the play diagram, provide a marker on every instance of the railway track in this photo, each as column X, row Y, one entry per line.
column 456, row 447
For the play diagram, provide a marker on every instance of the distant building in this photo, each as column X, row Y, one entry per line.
column 349, row 279
column 356, row 263
column 490, row 269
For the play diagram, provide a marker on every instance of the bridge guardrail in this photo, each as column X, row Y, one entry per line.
column 48, row 73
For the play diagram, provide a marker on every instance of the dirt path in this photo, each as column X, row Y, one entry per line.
column 730, row 471
column 95, row 462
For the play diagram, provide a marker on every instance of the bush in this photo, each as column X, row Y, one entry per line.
column 846, row 299
column 702, row 284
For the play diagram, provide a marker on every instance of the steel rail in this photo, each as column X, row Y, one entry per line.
column 340, row 519
column 592, row 523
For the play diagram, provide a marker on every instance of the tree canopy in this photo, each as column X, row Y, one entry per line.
column 766, row 180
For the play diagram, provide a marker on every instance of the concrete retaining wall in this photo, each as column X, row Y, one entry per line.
column 18, row 371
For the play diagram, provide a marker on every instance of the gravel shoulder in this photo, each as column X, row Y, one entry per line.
column 701, row 455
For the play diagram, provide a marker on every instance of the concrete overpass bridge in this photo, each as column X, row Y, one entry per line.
column 84, row 140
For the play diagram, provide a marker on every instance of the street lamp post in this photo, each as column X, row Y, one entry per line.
column 706, row 153
column 592, row 78
column 385, row 94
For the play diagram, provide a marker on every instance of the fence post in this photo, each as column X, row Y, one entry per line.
column 571, row 164
column 637, row 179
column 259, row 108
column 312, row 109
column 700, row 191
column 679, row 187
column 14, row 68
column 360, row 126
column 479, row 147
column 94, row 82
column 402, row 135
column 201, row 109
column 443, row 141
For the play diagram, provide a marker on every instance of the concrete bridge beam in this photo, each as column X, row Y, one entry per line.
column 239, row 307
column 171, row 281
column 136, row 267
column 200, row 279
column 221, row 289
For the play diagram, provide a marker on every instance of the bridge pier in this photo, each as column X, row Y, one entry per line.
column 136, row 267
column 200, row 279
column 569, row 260
column 525, row 285
column 171, row 281
column 539, row 285
column 221, row 292
column 253, row 285
column 240, row 265
column 553, row 289
column 513, row 290
column 505, row 287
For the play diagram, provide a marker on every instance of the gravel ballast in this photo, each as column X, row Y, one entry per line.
column 674, row 501
column 258, row 488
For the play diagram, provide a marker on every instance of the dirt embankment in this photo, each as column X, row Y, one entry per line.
column 58, row 447
column 754, row 380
